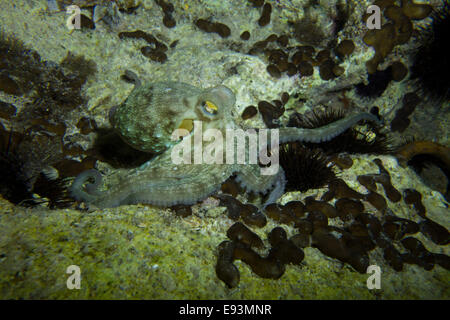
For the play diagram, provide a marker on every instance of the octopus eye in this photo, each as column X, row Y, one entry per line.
column 209, row 108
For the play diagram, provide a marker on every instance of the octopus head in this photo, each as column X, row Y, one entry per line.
column 152, row 112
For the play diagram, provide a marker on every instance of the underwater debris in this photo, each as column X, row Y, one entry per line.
column 339, row 244
column 182, row 210
column 291, row 212
column 249, row 112
column 393, row 33
column 305, row 69
column 270, row 113
column 348, row 208
column 238, row 232
column 393, row 257
column 7, row 110
column 401, row 121
column 435, row 232
column 338, row 188
column 257, row 3
column 343, row 161
column 284, row 98
column 213, row 27
column 274, row 71
column 249, row 213
column 232, row 187
column 264, row 20
column 168, row 9
column 225, row 269
column 345, row 48
column 139, row 34
column 399, row 71
column 283, row 251
column 87, row 125
column 378, row 81
column 153, row 54
column 156, row 50
column 309, row 31
column 245, row 35
column 414, row 197
column 325, row 208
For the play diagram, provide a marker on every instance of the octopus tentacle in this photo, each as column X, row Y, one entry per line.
column 92, row 193
column 186, row 186
column 324, row 133
column 251, row 178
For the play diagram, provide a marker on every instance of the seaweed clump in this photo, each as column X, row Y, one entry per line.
column 213, row 27
column 265, row 15
column 25, row 166
column 361, row 232
column 308, row 31
column 283, row 251
column 156, row 50
column 401, row 121
column 249, row 213
column 396, row 32
column 34, row 145
column 168, row 9
column 53, row 84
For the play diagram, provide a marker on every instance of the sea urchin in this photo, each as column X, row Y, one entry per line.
column 431, row 67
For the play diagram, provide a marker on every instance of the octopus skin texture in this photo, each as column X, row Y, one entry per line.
column 146, row 121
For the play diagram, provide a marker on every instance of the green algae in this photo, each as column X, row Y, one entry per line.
column 140, row 252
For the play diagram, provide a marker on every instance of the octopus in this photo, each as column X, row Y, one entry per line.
column 147, row 121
